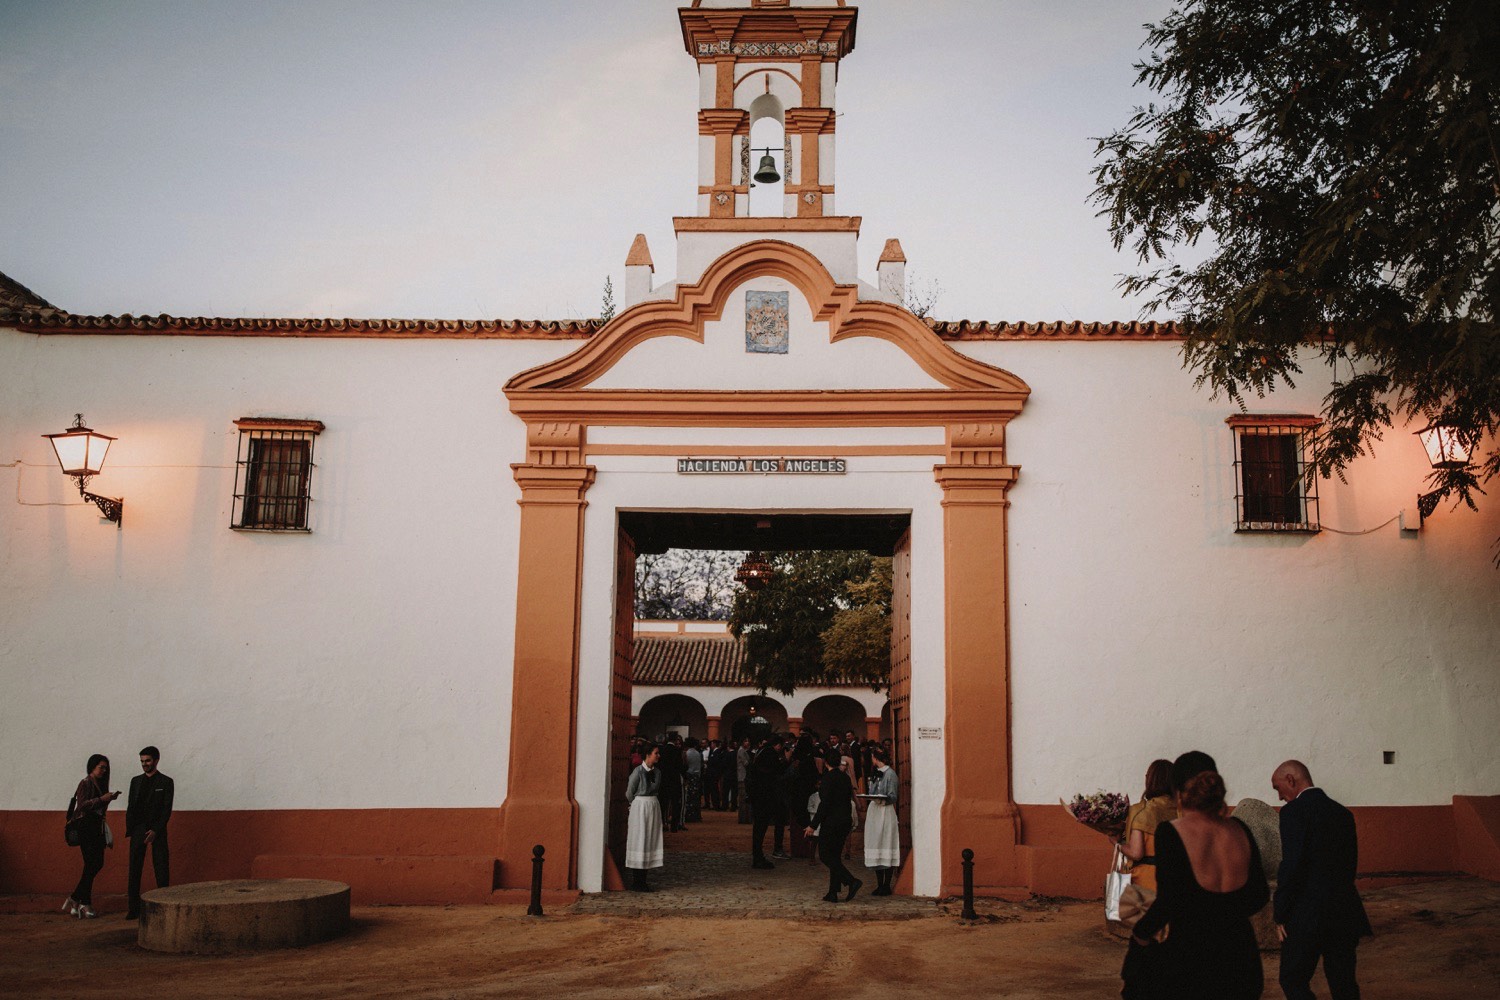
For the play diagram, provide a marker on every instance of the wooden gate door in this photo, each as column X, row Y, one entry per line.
column 900, row 696
column 621, row 727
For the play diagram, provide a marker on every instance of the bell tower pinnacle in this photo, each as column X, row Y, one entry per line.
column 767, row 59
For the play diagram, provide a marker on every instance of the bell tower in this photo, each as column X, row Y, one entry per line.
column 762, row 59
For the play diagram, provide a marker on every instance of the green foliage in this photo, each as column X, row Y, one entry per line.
column 607, row 306
column 825, row 616
column 1336, row 162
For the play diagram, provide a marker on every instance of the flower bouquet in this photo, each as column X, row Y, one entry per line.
column 1102, row 811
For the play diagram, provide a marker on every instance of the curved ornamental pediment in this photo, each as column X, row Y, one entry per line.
column 585, row 386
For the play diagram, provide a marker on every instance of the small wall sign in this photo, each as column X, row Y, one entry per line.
column 763, row 466
column 929, row 732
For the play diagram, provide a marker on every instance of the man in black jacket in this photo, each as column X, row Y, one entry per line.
column 146, row 814
column 1317, row 910
column 762, row 787
column 832, row 823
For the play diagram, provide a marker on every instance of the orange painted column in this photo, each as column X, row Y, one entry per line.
column 539, row 806
column 979, row 810
column 872, row 729
column 713, row 727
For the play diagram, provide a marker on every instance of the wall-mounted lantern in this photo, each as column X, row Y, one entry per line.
column 1446, row 449
column 1445, row 444
column 80, row 453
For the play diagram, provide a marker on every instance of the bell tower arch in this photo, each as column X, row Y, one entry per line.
column 748, row 53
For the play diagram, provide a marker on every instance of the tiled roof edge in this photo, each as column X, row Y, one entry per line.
column 1134, row 330
column 56, row 321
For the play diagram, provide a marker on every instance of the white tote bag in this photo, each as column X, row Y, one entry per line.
column 1114, row 884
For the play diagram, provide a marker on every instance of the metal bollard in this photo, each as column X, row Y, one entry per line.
column 535, row 909
column 968, row 913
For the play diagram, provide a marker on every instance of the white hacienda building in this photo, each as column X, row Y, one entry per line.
column 371, row 591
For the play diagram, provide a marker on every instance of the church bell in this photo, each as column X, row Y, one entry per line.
column 766, row 173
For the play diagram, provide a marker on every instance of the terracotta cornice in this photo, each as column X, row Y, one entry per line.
column 553, row 485
column 58, row 322
column 769, row 224
column 721, row 121
column 1273, row 420
column 768, row 33
column 837, row 305
column 966, row 485
column 765, row 408
column 809, row 120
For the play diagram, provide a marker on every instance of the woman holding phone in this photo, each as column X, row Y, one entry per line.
column 91, row 800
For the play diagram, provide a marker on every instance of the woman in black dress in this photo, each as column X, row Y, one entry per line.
column 1209, row 884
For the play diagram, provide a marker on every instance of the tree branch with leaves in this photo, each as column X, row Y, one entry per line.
column 1333, row 163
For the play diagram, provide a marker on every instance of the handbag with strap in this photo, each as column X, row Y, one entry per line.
column 71, row 832
column 1135, row 900
column 1114, row 885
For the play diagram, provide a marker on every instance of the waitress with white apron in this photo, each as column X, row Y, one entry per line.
column 882, row 829
column 644, row 847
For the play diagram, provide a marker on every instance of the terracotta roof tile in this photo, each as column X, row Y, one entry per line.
column 59, row 321
column 693, row 660
column 16, row 297
column 963, row 329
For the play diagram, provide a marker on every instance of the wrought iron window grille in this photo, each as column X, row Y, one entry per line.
column 273, row 474
column 1273, row 491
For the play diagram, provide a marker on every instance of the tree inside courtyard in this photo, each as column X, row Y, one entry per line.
column 824, row 617
column 1321, row 183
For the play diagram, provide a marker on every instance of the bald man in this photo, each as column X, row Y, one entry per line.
column 1317, row 909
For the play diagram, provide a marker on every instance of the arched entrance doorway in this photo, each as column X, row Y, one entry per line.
column 870, row 391
column 672, row 713
column 834, row 713
column 735, row 719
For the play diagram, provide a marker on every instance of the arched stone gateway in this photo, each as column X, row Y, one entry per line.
column 607, row 424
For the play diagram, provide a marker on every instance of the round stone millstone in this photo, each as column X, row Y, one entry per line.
column 243, row 915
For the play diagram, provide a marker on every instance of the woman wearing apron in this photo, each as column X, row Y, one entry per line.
column 643, row 837
column 882, row 832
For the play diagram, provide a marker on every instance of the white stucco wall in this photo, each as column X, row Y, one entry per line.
column 367, row 664
column 838, row 251
column 1143, row 626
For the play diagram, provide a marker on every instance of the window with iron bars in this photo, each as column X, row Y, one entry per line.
column 273, row 474
column 1272, row 488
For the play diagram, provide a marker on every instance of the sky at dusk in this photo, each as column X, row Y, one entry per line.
column 494, row 159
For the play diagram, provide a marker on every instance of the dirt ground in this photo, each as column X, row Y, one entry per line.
column 1435, row 939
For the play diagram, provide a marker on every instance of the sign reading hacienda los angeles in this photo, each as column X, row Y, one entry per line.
column 783, row 466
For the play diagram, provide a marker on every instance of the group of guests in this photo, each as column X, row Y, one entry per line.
column 807, row 786
column 147, row 811
column 1203, row 881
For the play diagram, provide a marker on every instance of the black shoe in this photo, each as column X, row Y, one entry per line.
column 761, row 863
column 639, row 885
column 783, row 855
column 132, row 916
column 832, row 897
column 853, row 888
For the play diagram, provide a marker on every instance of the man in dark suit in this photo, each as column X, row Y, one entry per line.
column 1317, row 910
column 146, row 814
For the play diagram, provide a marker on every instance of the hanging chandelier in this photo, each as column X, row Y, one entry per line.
column 755, row 572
